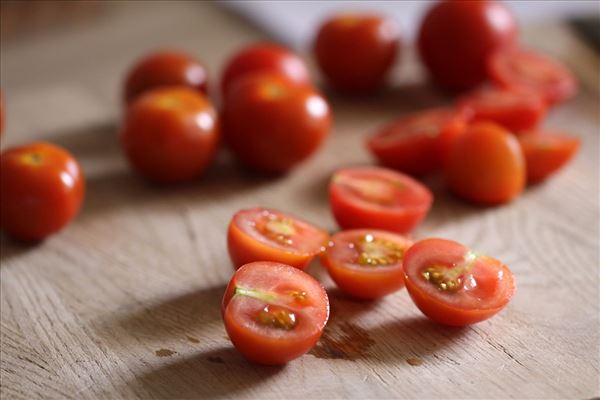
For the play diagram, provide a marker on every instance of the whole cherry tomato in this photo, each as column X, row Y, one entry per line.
column 486, row 165
column 165, row 68
column 265, row 58
column 356, row 51
column 274, row 313
column 272, row 125
column 41, row 190
column 453, row 285
column 366, row 264
column 546, row 153
column 457, row 37
column 170, row 134
column 261, row 234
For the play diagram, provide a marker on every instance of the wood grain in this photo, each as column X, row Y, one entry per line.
column 124, row 303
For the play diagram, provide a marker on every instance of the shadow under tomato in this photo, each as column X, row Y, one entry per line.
column 10, row 248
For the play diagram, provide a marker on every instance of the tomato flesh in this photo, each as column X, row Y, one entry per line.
column 546, row 153
column 366, row 264
column 454, row 286
column 261, row 234
column 274, row 313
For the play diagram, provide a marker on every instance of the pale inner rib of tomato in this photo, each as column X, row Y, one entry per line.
column 379, row 190
column 427, row 125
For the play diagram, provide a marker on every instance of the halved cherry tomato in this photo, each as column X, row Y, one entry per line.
column 514, row 110
column 457, row 37
column 515, row 68
column 546, row 153
column 486, row 165
column 453, row 285
column 366, row 264
column 165, row 68
column 356, row 51
column 170, row 134
column 377, row 198
column 265, row 58
column 274, row 313
column 418, row 143
column 41, row 190
column 261, row 234
column 272, row 125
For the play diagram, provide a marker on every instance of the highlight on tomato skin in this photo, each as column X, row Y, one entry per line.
column 366, row 263
column 274, row 313
column 546, row 153
column 453, row 285
column 262, row 234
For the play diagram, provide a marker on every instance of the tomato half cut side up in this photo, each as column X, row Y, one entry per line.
column 453, row 285
column 261, row 234
column 378, row 198
column 366, row 264
column 515, row 68
column 416, row 144
column 274, row 313
column 546, row 153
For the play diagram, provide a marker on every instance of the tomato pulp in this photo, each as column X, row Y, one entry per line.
column 546, row 153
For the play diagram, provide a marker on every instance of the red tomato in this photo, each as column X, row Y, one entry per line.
column 453, row 285
column 170, row 134
column 486, row 165
column 41, row 190
column 356, row 51
column 366, row 264
column 418, row 143
column 377, row 198
column 260, row 234
column 165, row 68
column 457, row 37
column 514, row 110
column 546, row 153
column 272, row 125
column 265, row 58
column 274, row 313
column 515, row 68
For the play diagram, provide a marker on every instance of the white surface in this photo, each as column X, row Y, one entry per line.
column 295, row 22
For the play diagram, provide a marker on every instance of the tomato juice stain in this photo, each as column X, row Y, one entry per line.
column 343, row 341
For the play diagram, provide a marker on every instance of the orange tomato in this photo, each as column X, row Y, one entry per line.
column 546, row 153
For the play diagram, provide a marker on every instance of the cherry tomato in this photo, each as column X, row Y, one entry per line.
column 486, row 165
column 514, row 110
column 165, row 68
column 272, row 125
column 378, row 198
column 546, row 153
column 515, row 68
column 41, row 190
column 452, row 285
column 366, row 264
column 274, row 313
column 170, row 134
column 457, row 37
column 356, row 51
column 261, row 234
column 418, row 143
column 265, row 58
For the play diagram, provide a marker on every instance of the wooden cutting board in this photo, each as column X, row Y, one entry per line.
column 124, row 303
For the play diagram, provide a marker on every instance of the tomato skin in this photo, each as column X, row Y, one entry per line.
column 486, row 165
column 351, row 214
column 265, row 58
column 170, row 134
column 433, row 304
column 366, row 282
column 271, row 125
column 457, row 37
column 422, row 152
column 356, row 52
column 41, row 190
column 516, row 110
column 282, row 348
column 546, row 153
column 165, row 68
column 517, row 69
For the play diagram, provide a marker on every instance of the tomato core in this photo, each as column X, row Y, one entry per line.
column 278, row 229
column 378, row 251
column 450, row 279
column 277, row 317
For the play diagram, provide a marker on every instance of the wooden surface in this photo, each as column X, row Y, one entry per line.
column 124, row 303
